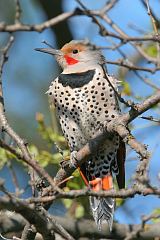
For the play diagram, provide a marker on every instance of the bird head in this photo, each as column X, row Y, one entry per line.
column 75, row 55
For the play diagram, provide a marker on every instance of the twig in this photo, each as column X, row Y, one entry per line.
column 37, row 27
column 29, row 232
column 154, row 23
column 131, row 66
column 150, row 118
column 18, row 12
column 44, row 223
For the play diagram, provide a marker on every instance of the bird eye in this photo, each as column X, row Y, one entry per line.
column 75, row 51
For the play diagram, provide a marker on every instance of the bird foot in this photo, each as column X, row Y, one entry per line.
column 64, row 164
column 73, row 160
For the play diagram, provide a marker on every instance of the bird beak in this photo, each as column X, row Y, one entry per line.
column 51, row 51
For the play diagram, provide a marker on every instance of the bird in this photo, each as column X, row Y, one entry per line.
column 85, row 98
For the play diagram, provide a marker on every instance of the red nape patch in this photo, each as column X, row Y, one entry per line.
column 70, row 60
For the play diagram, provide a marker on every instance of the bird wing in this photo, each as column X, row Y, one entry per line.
column 121, row 155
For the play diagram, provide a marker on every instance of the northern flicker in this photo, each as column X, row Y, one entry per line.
column 85, row 99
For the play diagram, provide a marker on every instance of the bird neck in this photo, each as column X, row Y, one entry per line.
column 80, row 67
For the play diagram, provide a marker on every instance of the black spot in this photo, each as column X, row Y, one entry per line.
column 50, row 93
column 106, row 167
column 111, row 95
column 88, row 100
column 99, row 83
column 106, row 111
column 97, row 78
column 112, row 116
column 105, row 105
column 97, row 175
column 91, row 171
column 102, row 94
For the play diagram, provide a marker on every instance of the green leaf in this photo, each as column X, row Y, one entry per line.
column 156, row 212
column 151, row 50
column 67, row 203
column 79, row 211
column 126, row 88
column 3, row 157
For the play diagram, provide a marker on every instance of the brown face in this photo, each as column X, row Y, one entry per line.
column 71, row 52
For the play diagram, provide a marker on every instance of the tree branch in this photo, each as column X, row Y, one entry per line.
column 84, row 228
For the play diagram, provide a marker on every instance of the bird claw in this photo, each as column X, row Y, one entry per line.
column 73, row 159
column 64, row 164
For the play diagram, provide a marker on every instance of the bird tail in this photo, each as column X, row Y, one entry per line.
column 102, row 208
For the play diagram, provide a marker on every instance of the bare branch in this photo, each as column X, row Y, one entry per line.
column 85, row 228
